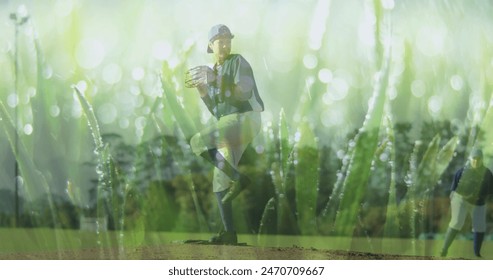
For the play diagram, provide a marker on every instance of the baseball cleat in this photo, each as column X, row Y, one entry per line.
column 224, row 238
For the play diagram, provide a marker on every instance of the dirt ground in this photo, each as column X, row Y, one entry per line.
column 207, row 252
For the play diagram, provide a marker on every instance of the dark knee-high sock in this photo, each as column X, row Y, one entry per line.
column 478, row 241
column 216, row 158
column 449, row 238
column 226, row 211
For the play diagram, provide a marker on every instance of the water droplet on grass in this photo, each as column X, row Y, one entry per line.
column 310, row 61
column 54, row 111
column 12, row 100
column 28, row 129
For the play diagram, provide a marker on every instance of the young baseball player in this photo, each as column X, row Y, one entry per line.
column 470, row 188
column 229, row 91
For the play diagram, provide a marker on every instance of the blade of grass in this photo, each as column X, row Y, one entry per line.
column 327, row 218
column 391, row 228
column 286, row 220
column 361, row 158
column 91, row 119
column 34, row 180
column 104, row 168
column 306, row 169
column 285, row 148
column 379, row 47
column 267, row 223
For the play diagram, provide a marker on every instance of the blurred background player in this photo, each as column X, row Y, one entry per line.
column 470, row 188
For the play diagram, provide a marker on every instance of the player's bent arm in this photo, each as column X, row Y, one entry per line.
column 244, row 82
column 243, row 91
column 202, row 88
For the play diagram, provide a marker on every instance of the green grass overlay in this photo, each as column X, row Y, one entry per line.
column 292, row 157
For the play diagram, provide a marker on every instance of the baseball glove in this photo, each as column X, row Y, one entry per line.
column 199, row 75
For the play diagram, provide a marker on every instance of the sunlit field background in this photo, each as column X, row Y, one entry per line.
column 371, row 106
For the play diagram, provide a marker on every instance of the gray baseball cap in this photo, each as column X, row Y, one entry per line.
column 217, row 31
column 477, row 153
